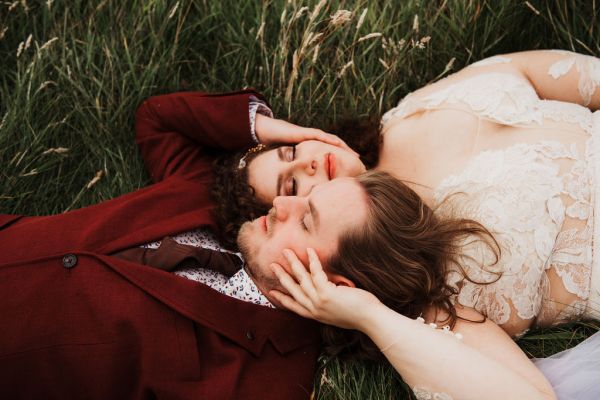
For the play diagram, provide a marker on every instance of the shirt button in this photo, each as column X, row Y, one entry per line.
column 69, row 261
column 249, row 335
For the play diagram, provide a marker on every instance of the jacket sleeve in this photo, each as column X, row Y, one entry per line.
column 178, row 133
column 7, row 219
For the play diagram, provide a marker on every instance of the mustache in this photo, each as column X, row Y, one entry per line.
column 271, row 220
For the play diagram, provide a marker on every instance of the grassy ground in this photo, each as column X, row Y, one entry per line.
column 73, row 72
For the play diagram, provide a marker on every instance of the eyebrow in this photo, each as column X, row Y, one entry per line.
column 315, row 214
column 279, row 178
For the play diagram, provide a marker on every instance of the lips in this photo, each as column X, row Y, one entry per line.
column 330, row 164
column 262, row 221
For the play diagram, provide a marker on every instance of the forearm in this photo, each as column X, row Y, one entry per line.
column 178, row 133
column 428, row 359
column 213, row 120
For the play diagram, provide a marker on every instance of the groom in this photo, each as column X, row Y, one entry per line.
column 77, row 320
column 86, row 323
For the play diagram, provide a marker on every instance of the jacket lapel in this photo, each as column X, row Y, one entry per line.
column 247, row 324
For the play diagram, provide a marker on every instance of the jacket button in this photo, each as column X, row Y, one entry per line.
column 69, row 261
column 249, row 335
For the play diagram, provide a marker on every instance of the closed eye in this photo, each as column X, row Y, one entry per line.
column 303, row 224
column 291, row 187
column 290, row 153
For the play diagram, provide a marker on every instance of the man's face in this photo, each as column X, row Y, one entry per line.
column 295, row 223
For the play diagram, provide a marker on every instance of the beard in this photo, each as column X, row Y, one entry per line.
column 264, row 281
column 248, row 251
column 243, row 241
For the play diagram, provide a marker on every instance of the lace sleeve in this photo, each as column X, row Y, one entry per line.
column 257, row 106
column 424, row 394
column 587, row 67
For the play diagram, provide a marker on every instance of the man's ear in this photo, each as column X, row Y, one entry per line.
column 340, row 280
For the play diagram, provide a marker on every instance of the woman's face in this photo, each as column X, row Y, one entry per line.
column 295, row 169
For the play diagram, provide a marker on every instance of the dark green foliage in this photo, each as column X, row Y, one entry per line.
column 76, row 83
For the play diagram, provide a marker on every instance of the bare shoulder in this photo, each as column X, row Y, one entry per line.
column 504, row 63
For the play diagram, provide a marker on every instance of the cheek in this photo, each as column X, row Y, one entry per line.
column 295, row 241
column 300, row 251
column 352, row 166
column 271, row 252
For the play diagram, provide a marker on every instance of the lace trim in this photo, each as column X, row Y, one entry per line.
column 255, row 105
column 587, row 67
column 501, row 97
column 518, row 193
column 559, row 111
column 529, row 196
column 424, row 394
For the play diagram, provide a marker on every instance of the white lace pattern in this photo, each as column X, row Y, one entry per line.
column 424, row 394
column 535, row 196
column 589, row 73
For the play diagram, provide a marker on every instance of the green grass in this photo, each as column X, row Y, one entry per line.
column 76, row 83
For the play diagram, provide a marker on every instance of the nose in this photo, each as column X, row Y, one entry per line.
column 307, row 166
column 286, row 206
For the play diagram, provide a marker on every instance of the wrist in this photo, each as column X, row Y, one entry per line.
column 258, row 127
column 371, row 317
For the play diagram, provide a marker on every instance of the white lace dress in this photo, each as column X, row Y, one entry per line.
column 537, row 196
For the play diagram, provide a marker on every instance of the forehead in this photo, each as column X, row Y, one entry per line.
column 263, row 171
column 341, row 204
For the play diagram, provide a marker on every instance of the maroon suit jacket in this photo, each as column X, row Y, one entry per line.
column 78, row 323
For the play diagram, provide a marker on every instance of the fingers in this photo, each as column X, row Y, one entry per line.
column 319, row 277
column 295, row 290
column 290, row 303
column 270, row 130
column 301, row 275
column 335, row 141
column 328, row 138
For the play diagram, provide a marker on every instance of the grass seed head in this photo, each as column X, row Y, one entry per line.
column 317, row 10
column 315, row 53
column 361, row 19
column 173, row 10
column 340, row 18
column 369, row 36
column 344, row 68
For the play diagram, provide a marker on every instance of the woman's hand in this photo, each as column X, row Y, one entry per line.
column 314, row 296
column 273, row 131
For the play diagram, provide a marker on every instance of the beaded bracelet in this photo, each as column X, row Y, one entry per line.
column 432, row 325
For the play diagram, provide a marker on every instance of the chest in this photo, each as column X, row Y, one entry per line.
column 429, row 147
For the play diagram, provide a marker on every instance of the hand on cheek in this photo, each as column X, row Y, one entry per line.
column 312, row 295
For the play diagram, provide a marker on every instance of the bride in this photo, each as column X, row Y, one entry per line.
column 510, row 142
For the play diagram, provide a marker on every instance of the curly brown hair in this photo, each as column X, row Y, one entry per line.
column 235, row 199
column 402, row 255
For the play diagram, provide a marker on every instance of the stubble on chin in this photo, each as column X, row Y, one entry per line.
column 243, row 241
column 248, row 251
column 262, row 280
